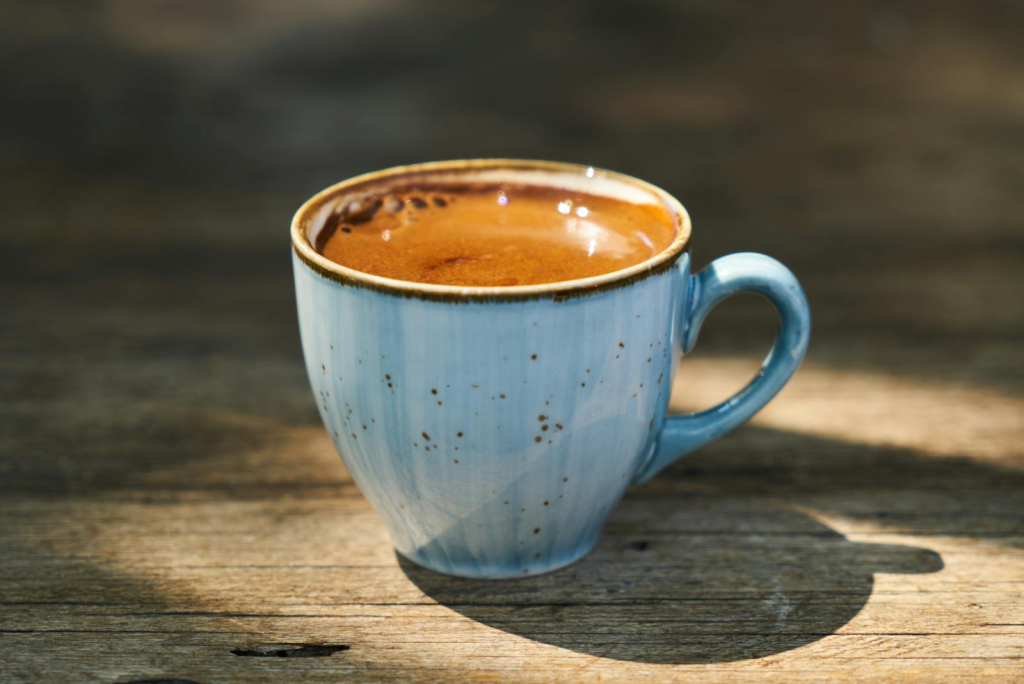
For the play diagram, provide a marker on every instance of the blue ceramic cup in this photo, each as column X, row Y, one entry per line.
column 494, row 429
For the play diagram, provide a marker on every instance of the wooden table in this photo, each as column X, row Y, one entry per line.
column 173, row 510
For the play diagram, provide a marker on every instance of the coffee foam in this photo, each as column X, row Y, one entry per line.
column 580, row 180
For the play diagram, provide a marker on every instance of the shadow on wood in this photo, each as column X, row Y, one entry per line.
column 719, row 580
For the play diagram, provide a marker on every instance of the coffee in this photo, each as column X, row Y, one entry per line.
column 492, row 234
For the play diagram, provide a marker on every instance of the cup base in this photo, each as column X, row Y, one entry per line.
column 489, row 571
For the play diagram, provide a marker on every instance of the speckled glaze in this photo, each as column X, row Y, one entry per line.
column 493, row 434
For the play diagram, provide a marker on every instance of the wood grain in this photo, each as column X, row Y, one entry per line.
column 172, row 510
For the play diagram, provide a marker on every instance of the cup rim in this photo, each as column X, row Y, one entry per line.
column 558, row 290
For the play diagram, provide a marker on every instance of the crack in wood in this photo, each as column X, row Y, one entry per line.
column 162, row 681
column 290, row 650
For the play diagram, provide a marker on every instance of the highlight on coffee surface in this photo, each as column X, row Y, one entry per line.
column 491, row 234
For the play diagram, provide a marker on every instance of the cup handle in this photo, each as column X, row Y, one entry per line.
column 728, row 275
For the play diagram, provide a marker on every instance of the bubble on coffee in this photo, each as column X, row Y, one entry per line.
column 492, row 235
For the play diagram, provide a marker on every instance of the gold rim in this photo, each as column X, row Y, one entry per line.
column 566, row 288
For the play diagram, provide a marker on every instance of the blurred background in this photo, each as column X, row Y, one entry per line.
column 153, row 153
column 169, row 494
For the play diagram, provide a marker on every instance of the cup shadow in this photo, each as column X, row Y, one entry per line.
column 719, row 581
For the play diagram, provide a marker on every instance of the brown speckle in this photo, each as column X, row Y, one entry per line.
column 456, row 461
column 390, row 385
column 354, row 436
column 648, row 359
column 565, row 479
column 364, row 426
column 458, row 434
column 433, row 391
column 558, row 426
column 425, row 436
column 550, row 441
column 542, row 417
column 537, row 438
column 418, row 202
column 583, row 384
column 546, row 503
column 439, row 202
column 536, row 555
column 547, row 403
column 533, row 356
column 475, row 386
column 621, row 345
column 506, row 503
column 536, row 530
column 544, row 428
column 501, row 396
column 426, row 448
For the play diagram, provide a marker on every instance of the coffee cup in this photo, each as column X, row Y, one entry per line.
column 493, row 429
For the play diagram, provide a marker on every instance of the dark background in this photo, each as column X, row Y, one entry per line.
column 153, row 153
